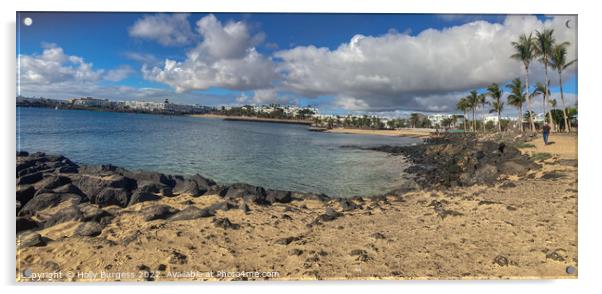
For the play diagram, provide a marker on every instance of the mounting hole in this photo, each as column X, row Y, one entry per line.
column 570, row 270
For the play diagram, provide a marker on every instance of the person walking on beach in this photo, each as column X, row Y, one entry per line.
column 546, row 133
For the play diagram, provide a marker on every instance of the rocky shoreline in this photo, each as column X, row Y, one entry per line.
column 446, row 162
column 74, row 217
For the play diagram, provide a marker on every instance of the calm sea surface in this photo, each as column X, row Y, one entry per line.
column 278, row 156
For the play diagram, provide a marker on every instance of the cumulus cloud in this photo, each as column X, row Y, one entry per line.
column 53, row 66
column 425, row 71
column 167, row 29
column 225, row 58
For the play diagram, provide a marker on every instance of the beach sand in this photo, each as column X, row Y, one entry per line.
column 524, row 229
column 561, row 144
column 418, row 133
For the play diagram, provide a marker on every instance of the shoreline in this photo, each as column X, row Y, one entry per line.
column 252, row 119
column 510, row 228
column 406, row 132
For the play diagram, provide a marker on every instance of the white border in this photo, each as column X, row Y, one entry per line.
column 589, row 148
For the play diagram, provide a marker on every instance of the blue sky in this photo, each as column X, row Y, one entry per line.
column 123, row 57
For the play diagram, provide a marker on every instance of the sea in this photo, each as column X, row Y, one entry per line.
column 271, row 155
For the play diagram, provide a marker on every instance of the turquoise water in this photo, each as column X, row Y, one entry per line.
column 278, row 156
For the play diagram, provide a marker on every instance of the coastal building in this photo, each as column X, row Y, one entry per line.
column 90, row 102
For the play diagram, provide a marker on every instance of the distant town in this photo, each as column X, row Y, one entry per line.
column 309, row 114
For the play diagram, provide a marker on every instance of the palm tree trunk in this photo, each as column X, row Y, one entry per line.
column 483, row 117
column 529, row 105
column 566, row 120
column 465, row 121
column 474, row 121
column 499, row 121
column 520, row 117
column 545, row 97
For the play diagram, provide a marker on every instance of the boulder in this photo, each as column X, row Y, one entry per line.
column 25, row 193
column 51, row 182
column 89, row 229
column 348, row 205
column 225, row 223
column 69, row 188
column 329, row 215
column 71, row 213
column 277, row 196
column 26, row 223
column 30, row 178
column 152, row 177
column 159, row 211
column 31, row 240
column 111, row 196
column 46, row 200
column 92, row 185
column 138, row 197
column 91, row 212
column 247, row 192
column 191, row 212
column 225, row 206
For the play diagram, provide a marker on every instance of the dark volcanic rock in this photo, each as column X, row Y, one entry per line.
column 196, row 185
column 91, row 229
column 501, row 260
column 138, row 197
column 71, row 213
column 46, row 200
column 25, row 193
column 159, row 211
column 448, row 161
column 51, row 182
column 247, row 192
column 31, row 240
column 329, row 215
column 277, row 196
column 29, row 179
column 26, row 223
column 225, row 223
column 348, row 205
column 94, row 185
column 191, row 212
column 288, row 240
column 152, row 177
column 111, row 196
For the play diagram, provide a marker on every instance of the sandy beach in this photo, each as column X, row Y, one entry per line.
column 252, row 119
column 519, row 228
column 409, row 132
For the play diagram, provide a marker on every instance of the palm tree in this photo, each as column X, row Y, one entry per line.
column 516, row 98
column 483, row 102
column 414, row 118
column 495, row 93
column 473, row 102
column 540, row 89
column 544, row 42
column 525, row 52
column 463, row 105
column 559, row 63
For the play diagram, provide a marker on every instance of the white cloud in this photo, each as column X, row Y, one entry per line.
column 119, row 74
column 167, row 29
column 402, row 71
column 225, row 58
column 53, row 66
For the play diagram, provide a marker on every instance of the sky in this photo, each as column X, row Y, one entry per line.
column 340, row 63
